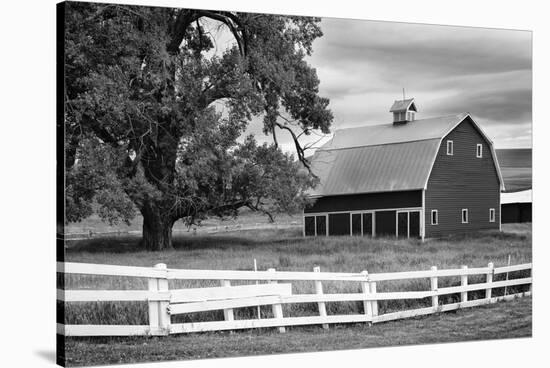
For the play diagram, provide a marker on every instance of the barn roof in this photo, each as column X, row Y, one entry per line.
column 524, row 196
column 383, row 158
column 371, row 135
column 403, row 105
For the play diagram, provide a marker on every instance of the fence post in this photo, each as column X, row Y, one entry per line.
column 159, row 318
column 464, row 282
column 507, row 275
column 374, row 303
column 277, row 308
column 433, row 284
column 319, row 291
column 530, row 285
column 489, row 290
column 365, row 288
column 227, row 313
column 164, row 315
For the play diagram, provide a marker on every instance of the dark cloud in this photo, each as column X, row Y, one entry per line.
column 424, row 49
column 506, row 107
column 363, row 66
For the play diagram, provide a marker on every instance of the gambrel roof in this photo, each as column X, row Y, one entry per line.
column 384, row 158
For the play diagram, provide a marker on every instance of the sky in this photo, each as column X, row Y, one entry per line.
column 363, row 67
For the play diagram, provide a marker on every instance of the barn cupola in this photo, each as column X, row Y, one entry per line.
column 403, row 111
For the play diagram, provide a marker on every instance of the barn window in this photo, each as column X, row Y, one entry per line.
column 479, row 150
column 449, row 148
column 491, row 215
column 435, row 219
column 464, row 215
column 398, row 116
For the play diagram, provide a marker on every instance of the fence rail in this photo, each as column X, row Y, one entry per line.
column 164, row 302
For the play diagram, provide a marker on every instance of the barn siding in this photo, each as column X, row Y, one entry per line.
column 462, row 181
column 369, row 201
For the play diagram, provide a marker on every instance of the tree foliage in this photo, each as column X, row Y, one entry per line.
column 154, row 115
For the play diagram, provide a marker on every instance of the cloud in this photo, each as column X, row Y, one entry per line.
column 419, row 50
column 363, row 66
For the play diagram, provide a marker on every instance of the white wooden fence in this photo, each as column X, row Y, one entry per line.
column 162, row 302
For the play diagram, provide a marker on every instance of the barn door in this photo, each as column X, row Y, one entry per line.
column 414, row 224
column 356, row 224
column 321, row 225
column 367, row 224
column 309, row 226
column 385, row 223
column 402, row 224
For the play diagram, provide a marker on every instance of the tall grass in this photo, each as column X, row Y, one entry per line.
column 287, row 250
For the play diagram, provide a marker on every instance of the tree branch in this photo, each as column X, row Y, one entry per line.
column 262, row 210
column 186, row 17
column 299, row 149
column 230, row 206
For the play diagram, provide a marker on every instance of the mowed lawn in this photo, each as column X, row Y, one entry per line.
column 288, row 250
column 510, row 319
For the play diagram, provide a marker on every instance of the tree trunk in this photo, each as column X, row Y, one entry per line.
column 158, row 161
column 157, row 231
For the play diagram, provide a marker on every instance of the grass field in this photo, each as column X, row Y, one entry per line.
column 288, row 250
column 499, row 321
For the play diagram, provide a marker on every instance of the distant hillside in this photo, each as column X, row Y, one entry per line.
column 516, row 167
column 516, row 157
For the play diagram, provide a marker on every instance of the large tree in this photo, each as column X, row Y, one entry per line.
column 154, row 109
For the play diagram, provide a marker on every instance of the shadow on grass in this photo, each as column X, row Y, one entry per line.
column 131, row 244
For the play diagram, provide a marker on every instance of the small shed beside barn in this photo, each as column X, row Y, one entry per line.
column 517, row 206
column 410, row 178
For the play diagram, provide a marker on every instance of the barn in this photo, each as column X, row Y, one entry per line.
column 416, row 178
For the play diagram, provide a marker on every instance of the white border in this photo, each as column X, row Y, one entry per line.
column 37, row 349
